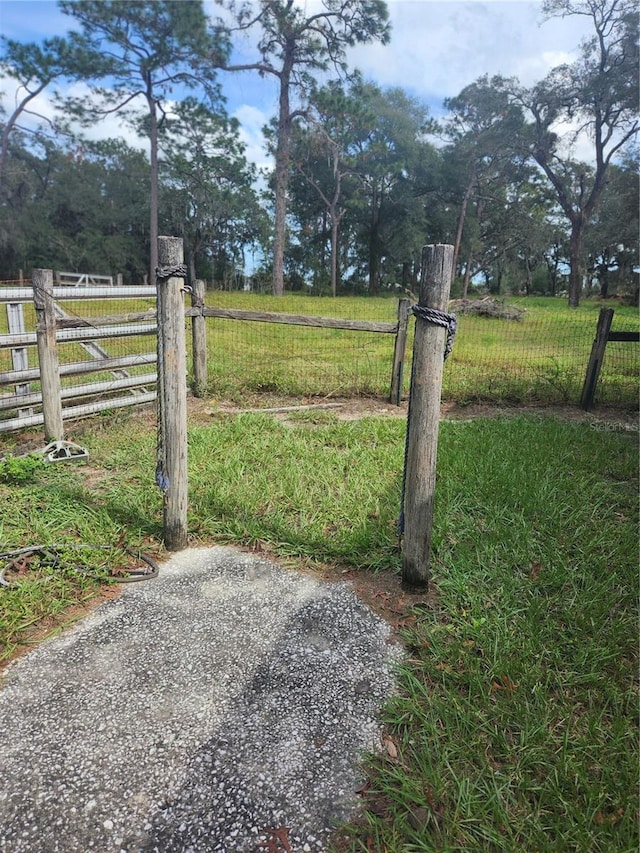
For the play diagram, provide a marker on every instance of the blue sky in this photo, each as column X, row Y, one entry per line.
column 437, row 48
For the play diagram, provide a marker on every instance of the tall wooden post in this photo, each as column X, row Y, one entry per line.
column 171, row 472
column 42, row 282
column 199, row 340
column 424, row 418
column 400, row 348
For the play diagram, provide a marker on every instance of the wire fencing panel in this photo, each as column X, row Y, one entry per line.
column 248, row 357
column 541, row 358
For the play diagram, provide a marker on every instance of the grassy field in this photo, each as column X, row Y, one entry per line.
column 515, row 726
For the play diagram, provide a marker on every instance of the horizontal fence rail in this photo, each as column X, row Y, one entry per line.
column 540, row 358
column 79, row 367
column 121, row 379
column 80, row 334
column 12, row 401
column 293, row 319
column 76, row 412
column 25, row 294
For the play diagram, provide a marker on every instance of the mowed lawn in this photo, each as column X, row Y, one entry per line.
column 515, row 724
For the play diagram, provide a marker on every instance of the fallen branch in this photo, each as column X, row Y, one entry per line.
column 486, row 307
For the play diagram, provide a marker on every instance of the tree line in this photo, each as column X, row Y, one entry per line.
column 362, row 177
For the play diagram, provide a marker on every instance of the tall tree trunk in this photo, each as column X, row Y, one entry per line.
column 467, row 275
column 283, row 149
column 462, row 218
column 374, row 252
column 575, row 260
column 335, row 222
column 153, row 193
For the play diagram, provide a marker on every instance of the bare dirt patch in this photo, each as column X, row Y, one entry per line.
column 353, row 408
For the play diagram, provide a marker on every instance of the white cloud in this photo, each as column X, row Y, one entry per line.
column 252, row 120
column 440, row 46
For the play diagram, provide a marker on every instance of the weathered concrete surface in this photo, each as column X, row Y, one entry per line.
column 226, row 698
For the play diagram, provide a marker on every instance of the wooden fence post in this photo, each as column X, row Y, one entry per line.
column 424, row 418
column 399, row 350
column 42, row 282
column 171, row 471
column 596, row 358
column 199, row 340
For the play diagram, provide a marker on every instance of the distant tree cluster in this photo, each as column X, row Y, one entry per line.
column 363, row 177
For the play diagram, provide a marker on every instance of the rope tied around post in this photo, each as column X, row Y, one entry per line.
column 439, row 318
column 173, row 271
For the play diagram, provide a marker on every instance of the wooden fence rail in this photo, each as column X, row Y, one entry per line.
column 59, row 327
column 399, row 329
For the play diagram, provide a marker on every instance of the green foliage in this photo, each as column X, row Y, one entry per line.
column 88, row 214
column 207, row 192
column 293, row 46
column 20, row 469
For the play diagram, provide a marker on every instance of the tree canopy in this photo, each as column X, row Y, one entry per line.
column 535, row 186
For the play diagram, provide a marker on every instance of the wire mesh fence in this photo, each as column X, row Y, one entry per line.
column 247, row 357
column 540, row 358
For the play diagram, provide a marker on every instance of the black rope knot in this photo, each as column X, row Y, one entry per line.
column 439, row 318
column 177, row 271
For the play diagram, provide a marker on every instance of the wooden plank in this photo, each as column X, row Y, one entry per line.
column 278, row 410
column 199, row 340
column 399, row 351
column 424, row 418
column 293, row 319
column 596, row 358
column 106, row 320
column 631, row 337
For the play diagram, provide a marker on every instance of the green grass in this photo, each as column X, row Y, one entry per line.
column 516, row 719
column 516, row 723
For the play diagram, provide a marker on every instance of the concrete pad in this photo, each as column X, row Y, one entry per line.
column 200, row 711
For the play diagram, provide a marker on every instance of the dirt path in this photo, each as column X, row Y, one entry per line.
column 201, row 411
